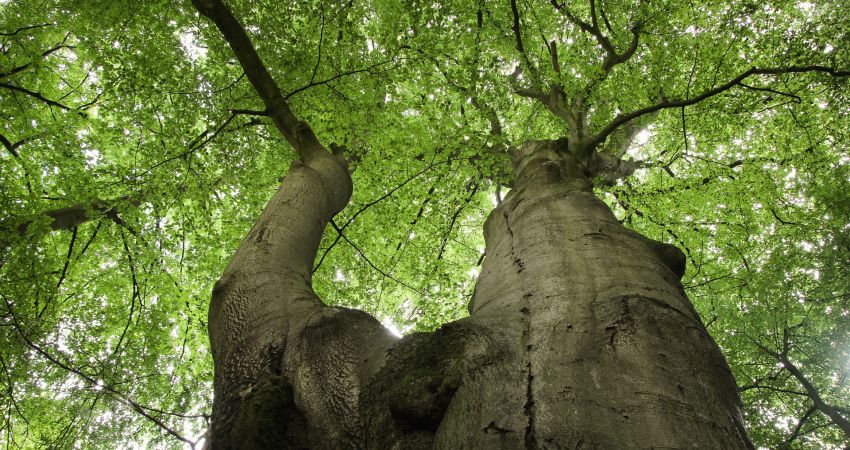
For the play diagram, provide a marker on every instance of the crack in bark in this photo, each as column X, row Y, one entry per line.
column 529, row 439
column 625, row 324
column 493, row 427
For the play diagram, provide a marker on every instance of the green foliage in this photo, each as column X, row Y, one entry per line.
column 139, row 112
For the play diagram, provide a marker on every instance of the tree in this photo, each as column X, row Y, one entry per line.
column 719, row 129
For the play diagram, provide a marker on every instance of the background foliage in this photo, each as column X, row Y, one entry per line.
column 137, row 113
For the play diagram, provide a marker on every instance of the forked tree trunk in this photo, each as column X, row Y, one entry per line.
column 580, row 336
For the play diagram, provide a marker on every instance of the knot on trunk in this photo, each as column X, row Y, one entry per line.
column 411, row 394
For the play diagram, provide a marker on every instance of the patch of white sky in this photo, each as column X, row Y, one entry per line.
column 494, row 198
column 190, row 43
column 642, row 138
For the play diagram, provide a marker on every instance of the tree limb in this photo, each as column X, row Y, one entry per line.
column 44, row 54
column 336, row 77
column 667, row 104
column 12, row 148
column 553, row 54
column 296, row 132
column 612, row 58
column 368, row 261
column 90, row 379
column 40, row 97
column 518, row 40
column 811, row 391
column 31, row 27
column 772, row 91
column 372, row 203
column 797, row 429
column 453, row 220
column 68, row 258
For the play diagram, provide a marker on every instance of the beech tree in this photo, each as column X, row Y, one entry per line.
column 659, row 184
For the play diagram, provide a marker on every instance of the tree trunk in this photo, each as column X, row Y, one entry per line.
column 580, row 336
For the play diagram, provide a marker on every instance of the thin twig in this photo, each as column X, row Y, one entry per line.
column 368, row 261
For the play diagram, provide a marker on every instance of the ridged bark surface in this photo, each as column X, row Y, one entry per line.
column 599, row 347
column 580, row 336
column 288, row 369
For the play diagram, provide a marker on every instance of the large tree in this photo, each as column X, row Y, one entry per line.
column 142, row 141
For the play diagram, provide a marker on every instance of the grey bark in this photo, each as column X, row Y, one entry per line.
column 580, row 336
column 14, row 230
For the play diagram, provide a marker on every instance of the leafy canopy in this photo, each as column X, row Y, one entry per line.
column 136, row 118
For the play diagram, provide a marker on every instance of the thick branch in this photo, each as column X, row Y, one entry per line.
column 12, row 148
column 296, row 132
column 612, row 58
column 615, row 58
column 553, row 54
column 621, row 139
column 667, row 104
column 529, row 93
column 61, row 219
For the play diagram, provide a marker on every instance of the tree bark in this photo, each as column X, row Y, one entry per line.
column 580, row 336
column 288, row 369
column 599, row 347
column 14, row 229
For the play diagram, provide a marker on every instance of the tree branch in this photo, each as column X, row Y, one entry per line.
column 553, row 54
column 336, row 77
column 90, row 379
column 68, row 258
column 40, row 97
column 796, row 98
column 321, row 40
column 526, row 92
column 612, row 58
column 797, row 429
column 296, row 132
column 31, row 27
column 811, row 390
column 44, row 54
column 372, row 203
column 250, row 112
column 453, row 220
column 12, row 148
column 368, row 261
column 813, row 393
column 518, row 41
column 667, row 104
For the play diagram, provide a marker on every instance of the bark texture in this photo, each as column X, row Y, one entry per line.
column 288, row 369
column 580, row 336
column 593, row 314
